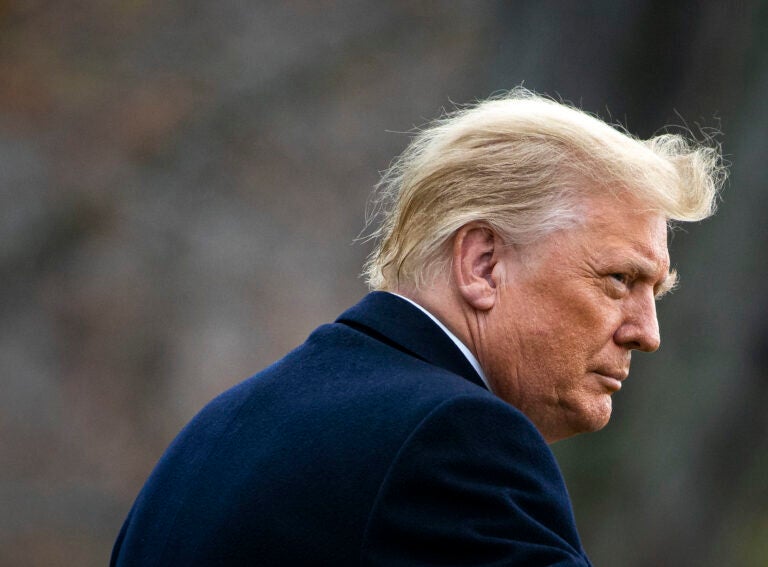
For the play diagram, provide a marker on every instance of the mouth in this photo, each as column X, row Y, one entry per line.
column 611, row 380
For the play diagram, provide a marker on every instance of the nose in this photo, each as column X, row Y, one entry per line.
column 639, row 329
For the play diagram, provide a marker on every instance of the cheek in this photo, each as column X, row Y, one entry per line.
column 590, row 321
column 561, row 347
column 545, row 344
column 567, row 331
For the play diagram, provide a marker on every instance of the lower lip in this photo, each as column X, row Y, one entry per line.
column 610, row 383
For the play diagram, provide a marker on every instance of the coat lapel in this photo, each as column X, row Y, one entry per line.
column 388, row 318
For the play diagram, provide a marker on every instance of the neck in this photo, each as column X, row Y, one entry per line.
column 444, row 304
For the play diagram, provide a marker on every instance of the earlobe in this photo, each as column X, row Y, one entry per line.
column 475, row 249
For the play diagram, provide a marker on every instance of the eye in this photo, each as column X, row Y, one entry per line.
column 623, row 279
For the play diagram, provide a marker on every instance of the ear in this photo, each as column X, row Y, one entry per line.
column 475, row 253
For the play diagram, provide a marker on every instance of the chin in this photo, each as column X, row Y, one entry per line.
column 597, row 415
column 577, row 419
column 588, row 418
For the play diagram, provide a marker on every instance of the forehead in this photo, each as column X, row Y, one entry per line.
column 613, row 236
column 611, row 231
column 618, row 228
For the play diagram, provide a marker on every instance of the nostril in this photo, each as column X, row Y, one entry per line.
column 638, row 337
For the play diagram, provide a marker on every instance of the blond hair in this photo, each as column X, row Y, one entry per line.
column 523, row 163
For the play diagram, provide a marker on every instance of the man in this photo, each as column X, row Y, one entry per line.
column 521, row 250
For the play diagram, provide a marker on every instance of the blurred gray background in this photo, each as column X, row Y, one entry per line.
column 182, row 183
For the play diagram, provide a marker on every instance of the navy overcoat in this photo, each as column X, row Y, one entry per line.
column 373, row 443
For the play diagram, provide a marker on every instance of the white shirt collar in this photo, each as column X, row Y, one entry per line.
column 462, row 347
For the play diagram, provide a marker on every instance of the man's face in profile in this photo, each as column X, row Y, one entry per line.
column 572, row 308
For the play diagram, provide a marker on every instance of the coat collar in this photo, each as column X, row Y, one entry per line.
column 392, row 319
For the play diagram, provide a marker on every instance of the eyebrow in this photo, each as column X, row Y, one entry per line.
column 667, row 285
column 645, row 269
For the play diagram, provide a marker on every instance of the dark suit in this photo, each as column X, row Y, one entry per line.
column 374, row 442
